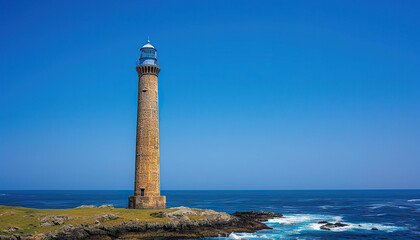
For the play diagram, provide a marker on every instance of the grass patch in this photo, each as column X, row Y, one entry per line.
column 28, row 218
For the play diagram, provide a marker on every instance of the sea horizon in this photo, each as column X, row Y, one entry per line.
column 356, row 189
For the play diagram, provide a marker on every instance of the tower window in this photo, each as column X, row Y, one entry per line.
column 142, row 192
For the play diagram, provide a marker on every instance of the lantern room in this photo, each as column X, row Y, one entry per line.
column 147, row 55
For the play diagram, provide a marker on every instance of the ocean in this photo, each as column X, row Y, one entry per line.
column 395, row 213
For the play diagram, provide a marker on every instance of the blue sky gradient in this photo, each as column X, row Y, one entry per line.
column 253, row 94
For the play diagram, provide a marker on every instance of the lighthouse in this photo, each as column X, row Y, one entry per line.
column 147, row 170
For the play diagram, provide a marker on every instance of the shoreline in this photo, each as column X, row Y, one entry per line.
column 107, row 222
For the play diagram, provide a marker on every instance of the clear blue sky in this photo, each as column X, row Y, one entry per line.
column 253, row 94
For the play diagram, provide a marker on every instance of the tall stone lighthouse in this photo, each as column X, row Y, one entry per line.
column 147, row 175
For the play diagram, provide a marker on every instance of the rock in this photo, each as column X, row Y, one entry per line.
column 107, row 217
column 23, row 237
column 158, row 214
column 259, row 216
column 69, row 232
column 327, row 226
column 52, row 220
column 107, row 206
column 375, row 229
column 87, row 206
column 213, row 216
column 183, row 212
column 11, row 229
column 339, row 224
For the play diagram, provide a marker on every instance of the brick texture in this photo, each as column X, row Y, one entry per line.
column 147, row 172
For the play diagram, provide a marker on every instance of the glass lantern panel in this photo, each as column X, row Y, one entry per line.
column 148, row 53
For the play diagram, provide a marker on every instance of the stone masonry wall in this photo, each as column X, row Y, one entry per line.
column 147, row 174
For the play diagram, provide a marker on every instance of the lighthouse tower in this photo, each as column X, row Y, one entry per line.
column 147, row 174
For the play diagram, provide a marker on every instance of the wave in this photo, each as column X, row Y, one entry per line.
column 413, row 200
column 380, row 205
column 330, row 207
column 359, row 226
column 292, row 219
column 299, row 223
column 246, row 236
column 390, row 205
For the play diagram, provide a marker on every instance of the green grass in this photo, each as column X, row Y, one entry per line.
column 28, row 218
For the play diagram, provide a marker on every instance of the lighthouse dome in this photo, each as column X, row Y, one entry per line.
column 147, row 55
column 148, row 45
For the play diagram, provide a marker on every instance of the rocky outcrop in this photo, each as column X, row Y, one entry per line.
column 327, row 225
column 107, row 217
column 52, row 220
column 93, row 206
column 184, row 213
column 107, row 206
column 11, row 229
column 87, row 206
column 23, row 237
column 259, row 216
column 183, row 223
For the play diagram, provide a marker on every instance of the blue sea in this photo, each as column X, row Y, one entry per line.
column 395, row 213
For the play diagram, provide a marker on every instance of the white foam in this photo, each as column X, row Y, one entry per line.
column 234, row 236
column 413, row 200
column 300, row 223
column 358, row 226
column 389, row 204
column 246, row 236
column 315, row 226
column 294, row 219
column 376, row 206
column 369, row 226
column 310, row 222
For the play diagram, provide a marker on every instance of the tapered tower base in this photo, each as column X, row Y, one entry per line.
column 144, row 202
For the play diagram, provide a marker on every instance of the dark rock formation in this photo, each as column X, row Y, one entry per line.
column 327, row 225
column 259, row 216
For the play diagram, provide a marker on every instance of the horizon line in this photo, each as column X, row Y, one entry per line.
column 320, row 189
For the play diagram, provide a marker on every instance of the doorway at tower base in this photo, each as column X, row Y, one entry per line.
column 147, row 202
